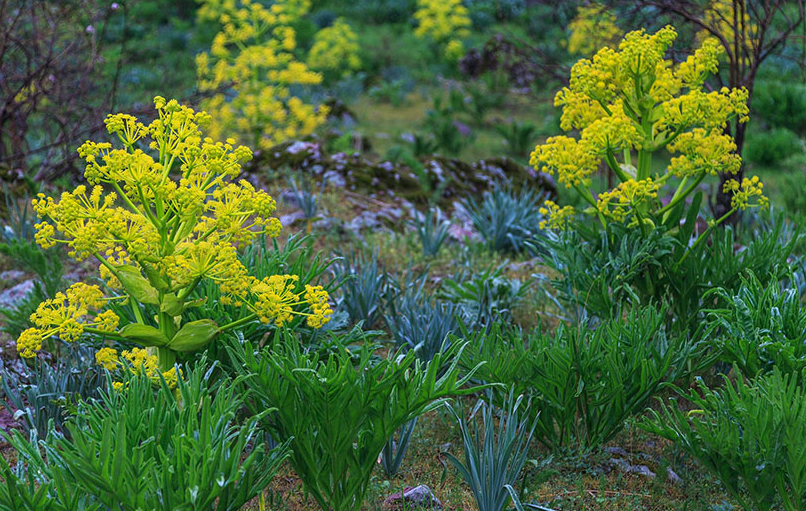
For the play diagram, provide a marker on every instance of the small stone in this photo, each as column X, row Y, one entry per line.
column 12, row 275
column 634, row 469
column 11, row 297
column 670, row 474
column 418, row 496
column 615, row 451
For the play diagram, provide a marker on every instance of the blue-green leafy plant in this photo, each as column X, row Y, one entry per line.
column 42, row 397
column 432, row 230
column 507, row 220
column 395, row 449
column 423, row 326
column 307, row 199
column 364, row 287
column 494, row 454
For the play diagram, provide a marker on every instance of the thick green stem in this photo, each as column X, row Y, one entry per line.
column 615, row 167
column 644, row 164
column 184, row 294
column 238, row 322
column 679, row 197
column 704, row 236
column 104, row 333
column 166, row 357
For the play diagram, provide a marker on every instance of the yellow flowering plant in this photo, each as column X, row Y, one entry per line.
column 592, row 27
column 627, row 105
column 250, row 71
column 162, row 213
column 445, row 23
column 335, row 50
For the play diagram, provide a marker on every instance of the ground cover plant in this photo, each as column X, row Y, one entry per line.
column 402, row 254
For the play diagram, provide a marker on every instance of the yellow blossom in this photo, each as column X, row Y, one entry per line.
column 592, row 27
column 107, row 358
column 574, row 161
column 554, row 216
column 745, row 191
column 621, row 200
column 335, row 49
column 445, row 23
column 253, row 57
column 29, row 342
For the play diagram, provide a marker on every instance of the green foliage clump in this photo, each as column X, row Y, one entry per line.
column 760, row 327
column 484, row 298
column 772, row 147
column 340, row 410
column 781, row 104
column 135, row 448
column 750, row 435
column 602, row 273
column 585, row 383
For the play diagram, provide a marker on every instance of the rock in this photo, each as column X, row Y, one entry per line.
column 12, row 276
column 351, row 170
column 670, row 474
column 366, row 220
column 11, row 297
column 291, row 218
column 625, row 466
column 615, row 451
column 418, row 496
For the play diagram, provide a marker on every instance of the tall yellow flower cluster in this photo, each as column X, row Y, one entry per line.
column 211, row 10
column 139, row 362
column 163, row 213
column 630, row 103
column 445, row 22
column 721, row 15
column 335, row 50
column 250, row 71
column 592, row 27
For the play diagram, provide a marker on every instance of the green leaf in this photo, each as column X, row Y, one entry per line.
column 136, row 285
column 194, row 335
column 155, row 278
column 144, row 334
column 172, row 305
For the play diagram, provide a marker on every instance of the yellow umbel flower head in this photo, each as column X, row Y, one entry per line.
column 251, row 69
column 445, row 23
column 335, row 50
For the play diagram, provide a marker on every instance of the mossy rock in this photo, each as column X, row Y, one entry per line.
column 454, row 177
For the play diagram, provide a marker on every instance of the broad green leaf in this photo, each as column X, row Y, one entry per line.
column 136, row 285
column 155, row 278
column 194, row 335
column 144, row 334
column 172, row 305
